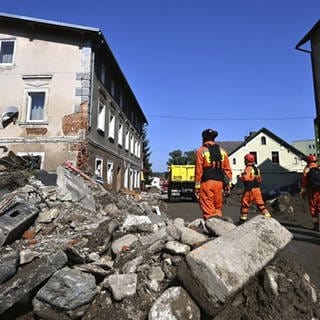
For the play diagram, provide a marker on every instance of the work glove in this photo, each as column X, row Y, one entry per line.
column 197, row 192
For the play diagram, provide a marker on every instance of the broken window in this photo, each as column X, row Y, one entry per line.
column 120, row 133
column 6, row 51
column 35, row 106
column 98, row 167
column 112, row 120
column 101, row 117
column 109, row 172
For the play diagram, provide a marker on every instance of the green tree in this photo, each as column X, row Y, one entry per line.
column 146, row 152
column 180, row 157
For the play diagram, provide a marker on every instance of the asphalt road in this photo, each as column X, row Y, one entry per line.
column 304, row 248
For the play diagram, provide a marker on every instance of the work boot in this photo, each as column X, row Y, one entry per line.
column 243, row 219
column 316, row 226
column 267, row 215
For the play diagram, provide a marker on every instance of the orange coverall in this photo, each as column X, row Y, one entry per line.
column 252, row 191
column 313, row 195
column 211, row 191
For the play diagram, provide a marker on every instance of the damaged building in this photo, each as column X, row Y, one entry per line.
column 64, row 99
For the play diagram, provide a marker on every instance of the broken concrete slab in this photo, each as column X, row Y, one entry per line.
column 15, row 220
column 215, row 271
column 71, row 188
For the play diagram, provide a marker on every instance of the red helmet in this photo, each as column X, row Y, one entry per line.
column 249, row 158
column 311, row 158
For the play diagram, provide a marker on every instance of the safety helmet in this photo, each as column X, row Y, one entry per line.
column 249, row 158
column 311, row 158
column 209, row 134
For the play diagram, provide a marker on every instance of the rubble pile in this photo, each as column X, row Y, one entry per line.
column 76, row 251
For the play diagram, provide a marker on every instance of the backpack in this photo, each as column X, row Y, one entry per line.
column 216, row 158
column 314, row 178
column 215, row 154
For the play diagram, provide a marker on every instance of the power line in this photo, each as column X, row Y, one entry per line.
column 227, row 119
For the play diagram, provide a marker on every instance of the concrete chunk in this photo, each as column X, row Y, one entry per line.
column 214, row 272
column 15, row 220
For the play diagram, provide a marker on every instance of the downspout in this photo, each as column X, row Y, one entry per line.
column 91, row 89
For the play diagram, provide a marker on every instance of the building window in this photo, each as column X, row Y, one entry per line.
column 121, row 100
column 132, row 144
column 109, row 172
column 98, row 171
column 263, row 140
column 40, row 156
column 101, row 118
column 255, row 156
column 126, row 178
column 35, row 106
column 120, row 133
column 127, row 141
column 112, row 120
column 103, row 74
column 139, row 150
column 113, row 88
column 275, row 157
column 234, row 161
column 6, row 51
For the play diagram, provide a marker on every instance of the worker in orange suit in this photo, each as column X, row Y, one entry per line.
column 251, row 179
column 310, row 188
column 212, row 174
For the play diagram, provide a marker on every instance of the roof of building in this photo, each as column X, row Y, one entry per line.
column 228, row 146
column 270, row 134
column 94, row 34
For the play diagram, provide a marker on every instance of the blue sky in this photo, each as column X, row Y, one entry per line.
column 229, row 65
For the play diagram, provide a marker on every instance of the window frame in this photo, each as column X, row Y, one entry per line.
column 120, row 133
column 277, row 156
column 28, row 93
column 13, row 51
column 254, row 153
column 111, row 125
column 101, row 117
column 110, row 172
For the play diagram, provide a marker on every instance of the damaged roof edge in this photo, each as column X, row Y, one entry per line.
column 307, row 37
column 96, row 33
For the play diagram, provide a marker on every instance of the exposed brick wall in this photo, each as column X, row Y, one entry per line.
column 72, row 123
column 77, row 124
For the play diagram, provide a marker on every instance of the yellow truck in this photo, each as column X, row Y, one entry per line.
column 181, row 181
